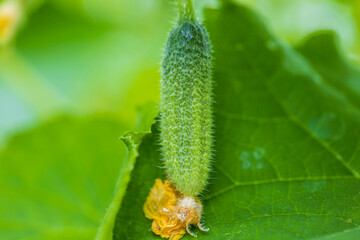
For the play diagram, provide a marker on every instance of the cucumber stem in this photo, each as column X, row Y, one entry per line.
column 186, row 11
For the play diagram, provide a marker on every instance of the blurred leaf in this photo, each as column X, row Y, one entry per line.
column 72, row 62
column 146, row 116
column 72, row 55
column 292, row 20
column 322, row 50
column 57, row 180
column 287, row 162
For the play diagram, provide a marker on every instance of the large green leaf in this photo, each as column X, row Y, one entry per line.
column 57, row 180
column 287, row 162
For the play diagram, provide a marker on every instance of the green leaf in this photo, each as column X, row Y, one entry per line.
column 336, row 69
column 146, row 116
column 57, row 180
column 287, row 161
column 132, row 141
column 346, row 235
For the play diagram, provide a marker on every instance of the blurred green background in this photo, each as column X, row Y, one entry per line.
column 80, row 57
column 74, row 76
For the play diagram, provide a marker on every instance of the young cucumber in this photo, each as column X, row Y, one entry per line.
column 186, row 129
column 186, row 104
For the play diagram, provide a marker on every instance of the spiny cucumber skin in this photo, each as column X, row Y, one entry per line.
column 186, row 107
